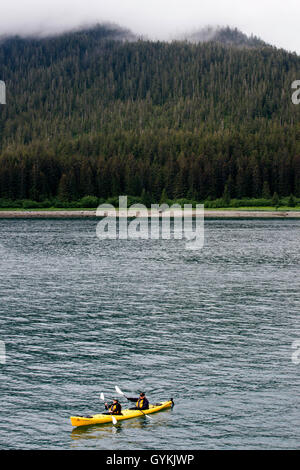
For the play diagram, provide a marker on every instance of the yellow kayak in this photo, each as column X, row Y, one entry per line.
column 126, row 414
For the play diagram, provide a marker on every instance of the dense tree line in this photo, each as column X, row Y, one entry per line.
column 90, row 115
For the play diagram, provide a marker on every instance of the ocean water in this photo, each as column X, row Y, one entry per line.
column 213, row 329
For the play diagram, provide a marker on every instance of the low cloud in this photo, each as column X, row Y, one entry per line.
column 274, row 21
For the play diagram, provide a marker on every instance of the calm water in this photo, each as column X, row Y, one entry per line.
column 212, row 329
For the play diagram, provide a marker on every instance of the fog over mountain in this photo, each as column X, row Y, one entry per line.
column 224, row 35
column 274, row 21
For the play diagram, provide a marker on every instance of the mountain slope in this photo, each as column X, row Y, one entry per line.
column 88, row 113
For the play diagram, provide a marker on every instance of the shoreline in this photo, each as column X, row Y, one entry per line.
column 208, row 213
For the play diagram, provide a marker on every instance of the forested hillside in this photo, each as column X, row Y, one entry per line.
column 89, row 113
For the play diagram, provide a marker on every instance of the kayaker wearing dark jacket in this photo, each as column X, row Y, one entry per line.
column 115, row 408
column 141, row 402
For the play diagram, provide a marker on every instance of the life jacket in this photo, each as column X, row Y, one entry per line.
column 140, row 403
column 115, row 408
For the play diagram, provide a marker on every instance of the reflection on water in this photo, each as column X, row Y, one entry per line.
column 101, row 431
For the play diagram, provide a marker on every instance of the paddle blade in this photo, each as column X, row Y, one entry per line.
column 118, row 390
column 102, row 396
column 114, row 419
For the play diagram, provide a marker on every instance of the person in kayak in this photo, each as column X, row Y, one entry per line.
column 115, row 408
column 141, row 402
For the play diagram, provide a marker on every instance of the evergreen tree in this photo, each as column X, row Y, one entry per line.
column 226, row 196
column 266, row 193
column 275, row 200
column 291, row 201
column 164, row 197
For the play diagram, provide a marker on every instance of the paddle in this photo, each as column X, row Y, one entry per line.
column 119, row 391
column 112, row 416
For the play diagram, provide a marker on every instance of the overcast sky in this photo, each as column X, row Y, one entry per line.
column 275, row 21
